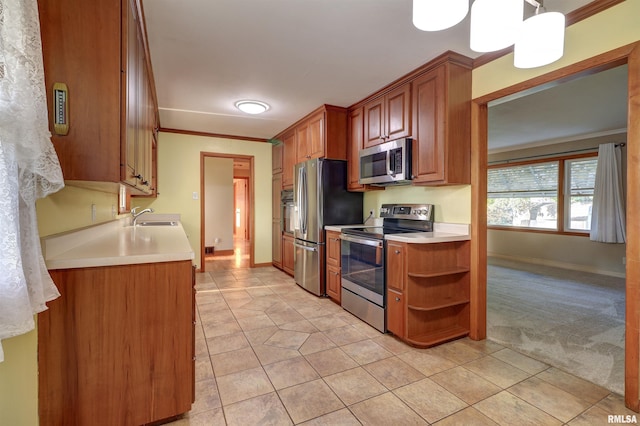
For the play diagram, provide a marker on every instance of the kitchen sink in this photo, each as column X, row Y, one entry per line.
column 158, row 223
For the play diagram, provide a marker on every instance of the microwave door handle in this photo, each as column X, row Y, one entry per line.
column 390, row 171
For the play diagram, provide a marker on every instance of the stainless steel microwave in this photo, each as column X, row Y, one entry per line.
column 386, row 164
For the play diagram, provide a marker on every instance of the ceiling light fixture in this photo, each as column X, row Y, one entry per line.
column 541, row 40
column 436, row 15
column 498, row 24
column 252, row 107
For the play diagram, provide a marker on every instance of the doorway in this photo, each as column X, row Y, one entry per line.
column 625, row 55
column 227, row 211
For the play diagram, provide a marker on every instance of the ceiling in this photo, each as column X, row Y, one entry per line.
column 296, row 55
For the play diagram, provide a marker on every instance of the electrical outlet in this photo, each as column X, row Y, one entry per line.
column 370, row 212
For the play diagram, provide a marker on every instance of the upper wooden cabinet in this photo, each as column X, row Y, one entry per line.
column 321, row 134
column 276, row 158
column 355, row 144
column 288, row 158
column 388, row 117
column 97, row 51
column 442, row 124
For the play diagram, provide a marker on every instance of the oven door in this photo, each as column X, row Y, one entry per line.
column 362, row 267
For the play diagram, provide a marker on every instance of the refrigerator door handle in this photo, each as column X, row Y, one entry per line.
column 305, row 247
column 305, row 201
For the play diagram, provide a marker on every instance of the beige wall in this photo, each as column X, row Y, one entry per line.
column 452, row 203
column 179, row 178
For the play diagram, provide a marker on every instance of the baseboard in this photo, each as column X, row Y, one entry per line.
column 563, row 265
column 222, row 252
column 262, row 265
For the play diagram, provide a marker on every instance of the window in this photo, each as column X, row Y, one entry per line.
column 581, row 178
column 551, row 195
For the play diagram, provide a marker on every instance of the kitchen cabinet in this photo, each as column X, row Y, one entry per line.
column 277, row 152
column 118, row 345
column 388, row 117
column 395, row 312
column 276, row 236
column 428, row 291
column 288, row 158
column 442, row 123
column 355, row 142
column 287, row 253
column 98, row 52
column 333, row 263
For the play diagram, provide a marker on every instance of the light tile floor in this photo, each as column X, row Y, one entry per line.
column 269, row 353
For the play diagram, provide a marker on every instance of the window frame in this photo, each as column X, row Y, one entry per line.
column 562, row 208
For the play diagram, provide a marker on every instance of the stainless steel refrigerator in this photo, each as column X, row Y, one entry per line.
column 321, row 198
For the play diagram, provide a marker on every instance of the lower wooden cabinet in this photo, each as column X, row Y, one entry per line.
column 117, row 347
column 395, row 312
column 287, row 253
column 334, row 287
column 428, row 291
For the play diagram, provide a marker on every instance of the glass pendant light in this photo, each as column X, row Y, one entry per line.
column 495, row 24
column 436, row 15
column 541, row 40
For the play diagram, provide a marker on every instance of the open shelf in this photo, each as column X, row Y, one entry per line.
column 440, row 306
column 439, row 272
column 430, row 339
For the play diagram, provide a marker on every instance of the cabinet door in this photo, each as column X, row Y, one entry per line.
column 398, row 113
column 288, row 159
column 429, row 107
column 287, row 254
column 355, row 144
column 395, row 312
column 302, row 142
column 395, row 265
column 276, row 244
column 276, row 189
column 333, row 248
column 334, row 287
column 374, row 122
column 276, row 158
column 315, row 136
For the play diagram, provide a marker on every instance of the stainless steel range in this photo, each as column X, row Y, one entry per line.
column 363, row 263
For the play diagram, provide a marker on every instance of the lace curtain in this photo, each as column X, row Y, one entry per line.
column 608, row 214
column 29, row 169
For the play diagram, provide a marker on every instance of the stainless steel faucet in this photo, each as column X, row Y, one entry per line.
column 136, row 215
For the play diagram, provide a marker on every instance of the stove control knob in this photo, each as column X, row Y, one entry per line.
column 423, row 211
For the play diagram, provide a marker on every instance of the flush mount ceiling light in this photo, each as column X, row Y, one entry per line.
column 436, row 15
column 252, row 107
column 498, row 24
column 495, row 24
column 541, row 40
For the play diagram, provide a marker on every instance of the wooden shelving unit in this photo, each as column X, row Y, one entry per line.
column 436, row 292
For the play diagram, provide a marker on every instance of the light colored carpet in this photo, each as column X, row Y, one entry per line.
column 569, row 319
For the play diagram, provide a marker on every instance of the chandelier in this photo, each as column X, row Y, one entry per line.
column 498, row 24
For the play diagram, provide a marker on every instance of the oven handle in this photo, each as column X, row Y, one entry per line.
column 366, row 242
column 305, row 247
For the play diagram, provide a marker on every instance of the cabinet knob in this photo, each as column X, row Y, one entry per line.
column 397, row 299
column 397, row 251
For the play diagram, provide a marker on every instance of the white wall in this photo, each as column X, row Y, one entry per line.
column 218, row 203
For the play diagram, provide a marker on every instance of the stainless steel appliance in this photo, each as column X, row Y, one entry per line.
column 363, row 264
column 287, row 211
column 386, row 164
column 320, row 198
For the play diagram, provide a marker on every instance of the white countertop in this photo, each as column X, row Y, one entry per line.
column 442, row 232
column 116, row 243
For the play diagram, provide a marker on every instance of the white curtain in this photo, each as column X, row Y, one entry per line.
column 29, row 169
column 608, row 213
